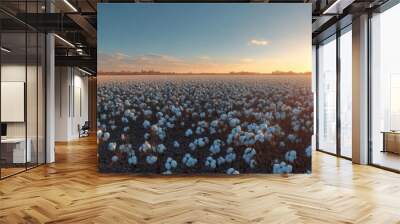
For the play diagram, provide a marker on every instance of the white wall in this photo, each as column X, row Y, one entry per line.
column 70, row 83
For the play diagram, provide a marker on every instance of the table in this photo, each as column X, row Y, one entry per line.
column 16, row 147
column 391, row 141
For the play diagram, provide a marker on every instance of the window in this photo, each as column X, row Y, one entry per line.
column 346, row 92
column 385, row 89
column 327, row 96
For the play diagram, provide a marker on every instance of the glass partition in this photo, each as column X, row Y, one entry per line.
column 22, row 78
column 13, row 115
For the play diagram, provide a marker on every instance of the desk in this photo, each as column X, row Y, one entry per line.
column 391, row 141
column 16, row 147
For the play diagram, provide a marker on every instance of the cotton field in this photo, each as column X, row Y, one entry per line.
column 231, row 124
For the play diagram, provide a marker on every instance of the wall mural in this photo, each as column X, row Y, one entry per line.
column 204, row 88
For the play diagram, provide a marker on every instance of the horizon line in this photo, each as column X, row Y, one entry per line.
column 159, row 72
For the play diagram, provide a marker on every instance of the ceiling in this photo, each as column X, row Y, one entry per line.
column 75, row 21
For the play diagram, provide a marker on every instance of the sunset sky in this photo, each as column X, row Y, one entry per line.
column 201, row 38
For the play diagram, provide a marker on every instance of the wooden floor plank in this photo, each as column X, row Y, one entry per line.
column 72, row 191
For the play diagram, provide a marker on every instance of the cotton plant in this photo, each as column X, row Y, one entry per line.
column 112, row 146
column 188, row 133
column 308, row 151
column 210, row 163
column 270, row 113
column 170, row 164
column 232, row 171
column 151, row 159
column 161, row 148
column 189, row 160
column 145, row 147
column 230, row 155
column 291, row 156
column 281, row 168
column 248, row 157
column 216, row 146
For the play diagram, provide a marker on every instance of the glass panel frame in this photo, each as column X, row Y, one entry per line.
column 26, row 57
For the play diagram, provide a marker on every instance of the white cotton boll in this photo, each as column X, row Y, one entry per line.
column 113, row 127
column 146, row 124
column 210, row 163
column 151, row 159
column 124, row 120
column 182, row 123
column 308, row 151
column 99, row 134
column 253, row 163
column 223, row 117
column 188, row 133
column 202, row 115
column 192, row 146
column 215, row 149
column 229, row 140
column 282, row 144
column 220, row 160
column 291, row 138
column 170, row 164
column 126, row 129
column 248, row 155
column 260, row 137
column 176, row 144
column 170, row 125
column 291, row 155
column 212, row 131
column 234, row 122
column 200, row 142
column 232, row 171
column 112, row 146
column 199, row 130
column 147, row 113
column 103, row 116
column 132, row 160
column 161, row 148
column 230, row 157
column 280, row 168
column 296, row 111
column 145, row 147
column 106, row 136
column 122, row 148
column 114, row 158
column 174, row 164
column 188, row 160
column 161, row 122
column 159, row 114
column 214, row 123
column 236, row 130
column 146, row 136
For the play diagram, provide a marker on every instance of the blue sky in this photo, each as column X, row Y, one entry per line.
column 204, row 37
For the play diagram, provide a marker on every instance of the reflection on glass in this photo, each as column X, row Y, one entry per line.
column 13, row 84
column 385, row 86
column 346, row 94
column 327, row 96
column 31, row 97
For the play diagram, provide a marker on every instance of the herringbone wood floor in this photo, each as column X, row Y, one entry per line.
column 72, row 191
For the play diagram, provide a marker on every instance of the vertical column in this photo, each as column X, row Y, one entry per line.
column 50, row 92
column 50, row 99
column 360, row 89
